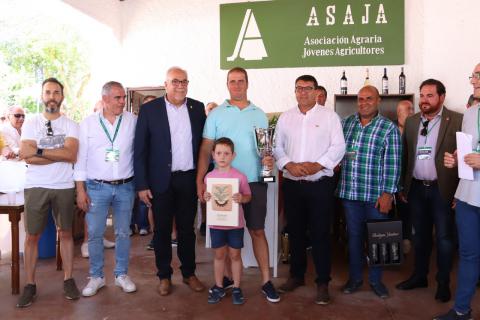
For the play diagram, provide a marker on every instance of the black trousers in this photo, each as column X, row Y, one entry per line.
column 308, row 206
column 179, row 201
column 428, row 209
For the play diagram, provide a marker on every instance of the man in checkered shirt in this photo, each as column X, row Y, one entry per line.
column 369, row 177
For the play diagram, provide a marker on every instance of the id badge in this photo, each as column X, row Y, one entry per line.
column 112, row 155
column 424, row 153
column 477, row 149
column 351, row 153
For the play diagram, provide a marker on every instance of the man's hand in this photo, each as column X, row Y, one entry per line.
column 296, row 169
column 145, row 196
column 83, row 201
column 473, row 160
column 402, row 197
column 450, row 159
column 268, row 161
column 201, row 187
column 27, row 150
column 312, row 167
column 8, row 153
column 384, row 203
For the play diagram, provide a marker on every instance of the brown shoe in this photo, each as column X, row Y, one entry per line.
column 164, row 287
column 291, row 284
column 323, row 297
column 194, row 283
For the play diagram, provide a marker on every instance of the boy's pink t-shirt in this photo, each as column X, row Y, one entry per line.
column 244, row 189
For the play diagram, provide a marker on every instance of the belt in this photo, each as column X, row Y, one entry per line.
column 308, row 181
column 179, row 172
column 426, row 183
column 115, row 182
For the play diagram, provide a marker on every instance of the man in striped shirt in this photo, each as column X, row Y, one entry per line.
column 369, row 177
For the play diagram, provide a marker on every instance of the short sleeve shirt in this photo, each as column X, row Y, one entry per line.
column 57, row 175
column 244, row 189
column 238, row 125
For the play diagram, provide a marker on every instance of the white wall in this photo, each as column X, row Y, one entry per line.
column 159, row 34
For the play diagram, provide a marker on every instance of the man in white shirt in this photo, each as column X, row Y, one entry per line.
column 309, row 144
column 49, row 145
column 104, row 178
column 12, row 130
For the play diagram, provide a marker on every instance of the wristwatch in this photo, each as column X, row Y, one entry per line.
column 39, row 152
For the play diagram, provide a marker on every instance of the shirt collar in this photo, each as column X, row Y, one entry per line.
column 315, row 108
column 250, row 105
column 170, row 105
column 357, row 118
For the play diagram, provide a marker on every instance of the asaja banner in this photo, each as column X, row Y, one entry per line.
column 303, row 33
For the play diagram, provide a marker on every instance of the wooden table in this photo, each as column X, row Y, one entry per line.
column 14, row 213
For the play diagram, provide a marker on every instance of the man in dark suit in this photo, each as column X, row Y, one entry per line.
column 429, row 186
column 167, row 139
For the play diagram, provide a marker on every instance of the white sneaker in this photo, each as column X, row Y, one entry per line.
column 125, row 283
column 143, row 232
column 84, row 249
column 94, row 284
column 108, row 244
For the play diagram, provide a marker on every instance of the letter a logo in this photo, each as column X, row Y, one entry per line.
column 249, row 44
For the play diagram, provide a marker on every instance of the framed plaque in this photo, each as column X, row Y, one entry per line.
column 221, row 209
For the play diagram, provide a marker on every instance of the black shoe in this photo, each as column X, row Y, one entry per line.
column 380, row 289
column 412, row 283
column 203, row 229
column 70, row 289
column 351, row 286
column 150, row 245
column 270, row 293
column 28, row 295
column 452, row 315
column 443, row 293
column 291, row 284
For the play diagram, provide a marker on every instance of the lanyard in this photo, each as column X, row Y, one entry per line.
column 106, row 131
column 478, row 125
column 428, row 131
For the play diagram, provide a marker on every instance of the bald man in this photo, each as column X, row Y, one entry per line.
column 405, row 109
column 369, row 178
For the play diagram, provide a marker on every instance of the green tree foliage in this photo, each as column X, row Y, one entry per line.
column 27, row 60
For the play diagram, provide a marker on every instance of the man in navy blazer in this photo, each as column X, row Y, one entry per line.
column 167, row 140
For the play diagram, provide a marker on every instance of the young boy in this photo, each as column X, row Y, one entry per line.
column 227, row 239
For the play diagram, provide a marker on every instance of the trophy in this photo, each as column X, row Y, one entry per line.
column 264, row 144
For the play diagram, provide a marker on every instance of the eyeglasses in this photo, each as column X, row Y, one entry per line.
column 475, row 75
column 48, row 125
column 424, row 130
column 302, row 89
column 177, row 82
column 19, row 115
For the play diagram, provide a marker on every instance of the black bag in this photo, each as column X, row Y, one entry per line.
column 384, row 241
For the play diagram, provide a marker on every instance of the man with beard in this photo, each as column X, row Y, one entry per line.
column 429, row 186
column 49, row 145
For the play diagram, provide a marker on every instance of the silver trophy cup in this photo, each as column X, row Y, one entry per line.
column 264, row 139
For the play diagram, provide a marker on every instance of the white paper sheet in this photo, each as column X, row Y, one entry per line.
column 464, row 147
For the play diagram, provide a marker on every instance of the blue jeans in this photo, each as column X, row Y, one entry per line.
column 121, row 198
column 357, row 213
column 468, row 224
column 141, row 215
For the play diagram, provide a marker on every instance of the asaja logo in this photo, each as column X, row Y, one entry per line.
column 249, row 44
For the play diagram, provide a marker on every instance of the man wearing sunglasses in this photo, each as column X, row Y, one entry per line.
column 49, row 145
column 12, row 130
column 428, row 186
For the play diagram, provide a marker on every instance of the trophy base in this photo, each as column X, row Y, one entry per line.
column 266, row 179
